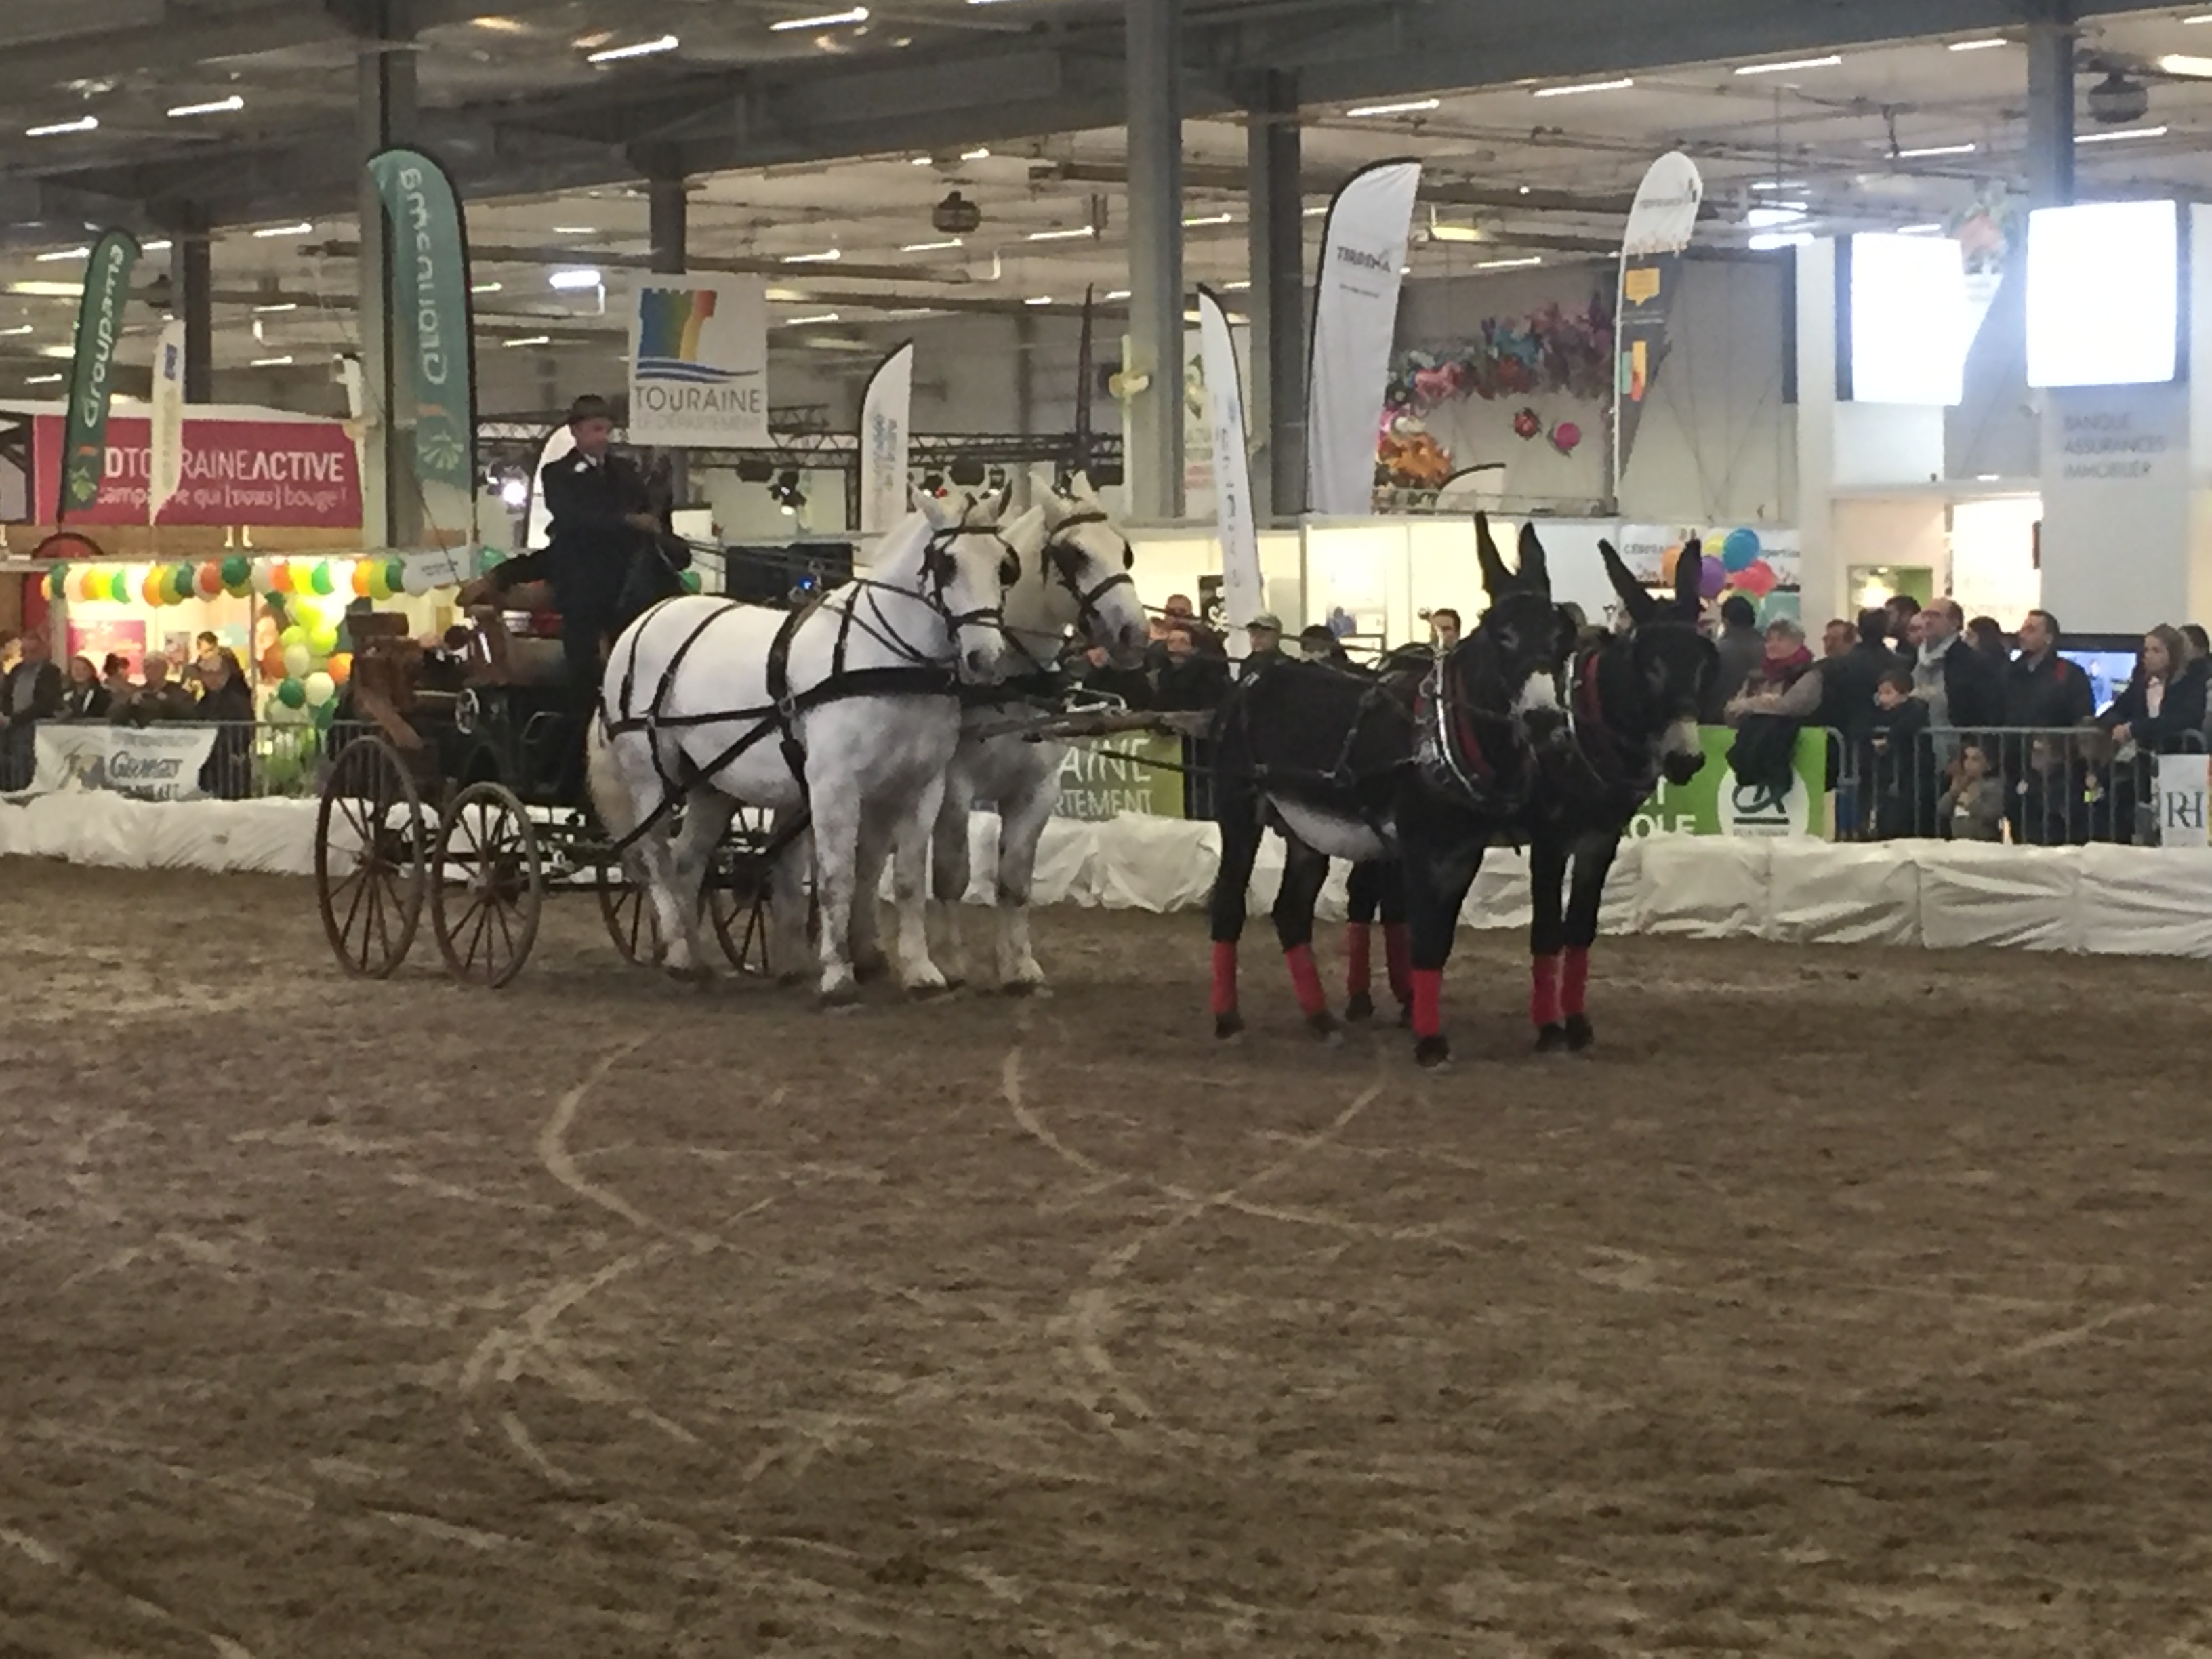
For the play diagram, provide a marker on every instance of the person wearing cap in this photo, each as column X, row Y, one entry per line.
column 1264, row 634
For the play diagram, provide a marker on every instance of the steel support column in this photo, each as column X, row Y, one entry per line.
column 1277, row 405
column 192, row 294
column 2050, row 41
column 668, row 230
column 1153, row 452
column 386, row 114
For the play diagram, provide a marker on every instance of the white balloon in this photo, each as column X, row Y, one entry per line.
column 321, row 689
column 415, row 578
column 297, row 658
column 264, row 579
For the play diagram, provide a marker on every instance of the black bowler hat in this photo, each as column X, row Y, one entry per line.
column 589, row 407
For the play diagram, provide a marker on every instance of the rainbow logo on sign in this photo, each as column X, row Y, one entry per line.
column 671, row 322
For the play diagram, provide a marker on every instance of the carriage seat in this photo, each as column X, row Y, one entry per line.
column 505, row 657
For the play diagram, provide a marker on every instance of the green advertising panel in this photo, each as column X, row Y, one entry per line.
column 1139, row 772
column 1714, row 803
column 430, row 310
column 91, row 372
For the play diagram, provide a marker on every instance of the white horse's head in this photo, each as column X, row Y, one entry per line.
column 965, row 569
column 1087, row 564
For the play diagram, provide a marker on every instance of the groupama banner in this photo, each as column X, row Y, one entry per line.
column 92, row 369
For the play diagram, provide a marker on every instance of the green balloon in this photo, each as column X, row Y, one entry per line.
column 322, row 581
column 237, row 571
column 181, row 582
column 295, row 635
column 120, row 589
column 292, row 695
column 691, row 583
column 56, row 582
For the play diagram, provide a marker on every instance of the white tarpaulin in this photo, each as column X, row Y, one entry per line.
column 157, row 763
column 1363, row 261
column 886, row 424
column 699, row 362
column 1242, row 595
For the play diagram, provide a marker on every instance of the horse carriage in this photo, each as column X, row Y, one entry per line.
column 446, row 787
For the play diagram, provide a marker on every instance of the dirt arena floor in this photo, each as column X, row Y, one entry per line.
column 1847, row 1303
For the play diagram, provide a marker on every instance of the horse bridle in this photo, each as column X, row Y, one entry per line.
column 938, row 572
column 1057, row 559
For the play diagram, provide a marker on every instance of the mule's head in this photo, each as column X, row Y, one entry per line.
column 1512, row 661
column 1088, row 568
column 966, row 570
column 1674, row 663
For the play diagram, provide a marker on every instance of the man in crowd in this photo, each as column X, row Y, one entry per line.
column 1188, row 679
column 2043, row 690
column 1953, row 678
column 1445, row 627
column 1850, row 677
column 1837, row 638
column 1742, row 651
column 160, row 698
column 1318, row 642
column 1265, row 634
column 31, row 692
column 1179, row 610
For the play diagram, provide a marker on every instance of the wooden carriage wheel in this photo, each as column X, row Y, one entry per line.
column 631, row 923
column 490, row 885
column 371, row 911
column 741, row 924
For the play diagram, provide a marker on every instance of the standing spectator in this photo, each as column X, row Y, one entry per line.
column 1850, row 679
column 1742, row 652
column 160, row 698
column 1785, row 668
column 115, row 678
column 11, row 650
column 1837, row 638
column 2044, row 691
column 31, row 692
column 1188, row 681
column 2163, row 701
column 1318, row 643
column 1986, row 637
column 1444, row 628
column 228, row 774
column 1899, row 611
column 1095, row 671
column 1974, row 807
column 1956, row 682
column 1903, row 766
column 1265, row 632
column 84, row 698
column 1178, row 609
column 2200, row 642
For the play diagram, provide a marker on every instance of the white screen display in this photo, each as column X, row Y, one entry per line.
column 2104, row 294
column 1909, row 321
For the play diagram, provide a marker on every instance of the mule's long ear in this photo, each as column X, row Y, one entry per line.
column 1534, row 573
column 1635, row 598
column 1689, row 570
column 1496, row 578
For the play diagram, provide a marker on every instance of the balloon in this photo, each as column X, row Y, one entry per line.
column 92, row 585
column 395, row 575
column 150, row 588
column 280, row 577
column 1740, row 550
column 297, row 660
column 320, row 579
column 340, row 667
column 292, row 695
column 1756, row 579
column 359, row 581
column 322, row 638
column 690, row 578
column 182, row 581
column 208, row 579
column 1667, row 561
column 1712, row 578
column 56, row 582
column 118, row 587
column 1566, row 436
column 321, row 689
column 291, row 636
column 417, row 580
column 237, row 571
column 369, row 578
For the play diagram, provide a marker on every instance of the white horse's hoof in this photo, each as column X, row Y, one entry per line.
column 839, row 998
column 697, row 974
column 1027, row 987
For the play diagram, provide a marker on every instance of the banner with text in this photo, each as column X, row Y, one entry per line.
column 886, row 423
column 154, row 763
column 1244, row 596
column 2183, row 825
column 92, row 369
column 1363, row 261
column 1660, row 223
column 165, row 463
column 698, row 349
column 298, row 474
column 1107, row 776
column 1717, row 803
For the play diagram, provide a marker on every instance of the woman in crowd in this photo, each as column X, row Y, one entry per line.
column 115, row 678
column 84, row 698
column 2163, row 707
column 1787, row 681
column 1987, row 636
column 228, row 774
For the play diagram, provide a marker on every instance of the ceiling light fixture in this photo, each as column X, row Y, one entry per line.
column 1772, row 240
column 2201, row 17
column 1776, row 213
column 528, row 340
column 932, row 247
column 1922, row 230
column 575, row 230
column 273, row 231
column 1828, row 62
column 581, row 278
column 60, row 254
column 1236, row 287
column 220, row 106
column 828, row 20
column 1978, row 46
column 272, row 362
column 829, row 256
column 979, row 153
column 1620, row 85
column 1314, row 213
column 1117, row 294
column 1209, row 219
column 2115, row 138
column 1508, row 264
column 642, row 49
column 497, row 25
column 2181, row 63
column 1780, row 184
column 16, row 332
column 1410, row 106
column 1444, row 231
column 1039, row 300
column 803, row 322
column 485, row 288
column 1066, row 235
column 61, row 351
column 1924, row 151
column 279, row 306
column 161, row 246
column 39, row 288
column 43, row 379
column 55, row 129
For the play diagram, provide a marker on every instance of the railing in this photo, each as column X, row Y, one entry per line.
column 171, row 760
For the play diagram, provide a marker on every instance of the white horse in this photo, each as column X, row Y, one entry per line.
column 1075, row 573
column 857, row 728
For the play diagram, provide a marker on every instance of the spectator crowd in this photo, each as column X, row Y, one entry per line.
column 211, row 690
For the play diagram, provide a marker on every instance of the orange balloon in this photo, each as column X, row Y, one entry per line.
column 361, row 572
column 280, row 577
column 209, row 580
column 150, row 589
column 1668, row 562
column 339, row 667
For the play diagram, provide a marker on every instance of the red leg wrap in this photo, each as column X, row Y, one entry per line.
column 1574, row 982
column 1428, row 985
column 1544, row 990
column 1224, row 978
column 1358, row 973
column 1398, row 952
column 1305, row 979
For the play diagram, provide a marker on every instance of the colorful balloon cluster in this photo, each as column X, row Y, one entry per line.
column 1739, row 568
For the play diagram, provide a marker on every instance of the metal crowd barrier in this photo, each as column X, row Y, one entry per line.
column 2051, row 786
column 245, row 760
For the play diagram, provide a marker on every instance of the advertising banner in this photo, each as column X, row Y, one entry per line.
column 886, row 423
column 1363, row 261
column 301, row 474
column 436, row 328
column 2183, row 825
column 101, row 640
column 1714, row 802
column 1243, row 594
column 92, row 369
column 1660, row 223
column 166, row 447
column 1107, row 776
column 154, row 763
column 699, row 362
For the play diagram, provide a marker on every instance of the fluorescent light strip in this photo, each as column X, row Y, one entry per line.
column 642, row 49
column 1066, row 235
column 1620, row 85
column 1923, row 151
column 2116, row 138
column 1508, row 264
column 272, row 362
column 271, row 310
column 41, row 289
column 932, row 247
column 55, row 129
column 1117, row 294
column 1040, row 300
column 528, row 340
column 829, row 257
column 1235, row 288
column 575, row 230
column 1977, row 46
column 1314, row 213
column 1828, row 62
column 1779, row 213
column 61, row 351
column 60, row 254
column 1411, row 106
column 486, row 288
column 220, row 106
column 828, row 20
column 1922, row 230
column 1209, row 219
column 1780, row 184
column 275, row 231
column 2201, row 17
column 2181, row 63
column 161, row 246
column 808, row 322
column 981, row 153
column 570, row 280
column 43, row 379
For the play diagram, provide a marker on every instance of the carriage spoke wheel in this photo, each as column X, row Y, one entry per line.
column 740, row 923
column 628, row 914
column 371, row 808
column 491, row 888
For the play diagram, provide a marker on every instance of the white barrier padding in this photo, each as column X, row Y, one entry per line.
column 1824, row 895
column 2118, row 901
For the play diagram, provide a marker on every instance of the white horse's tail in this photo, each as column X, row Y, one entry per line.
column 618, row 808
